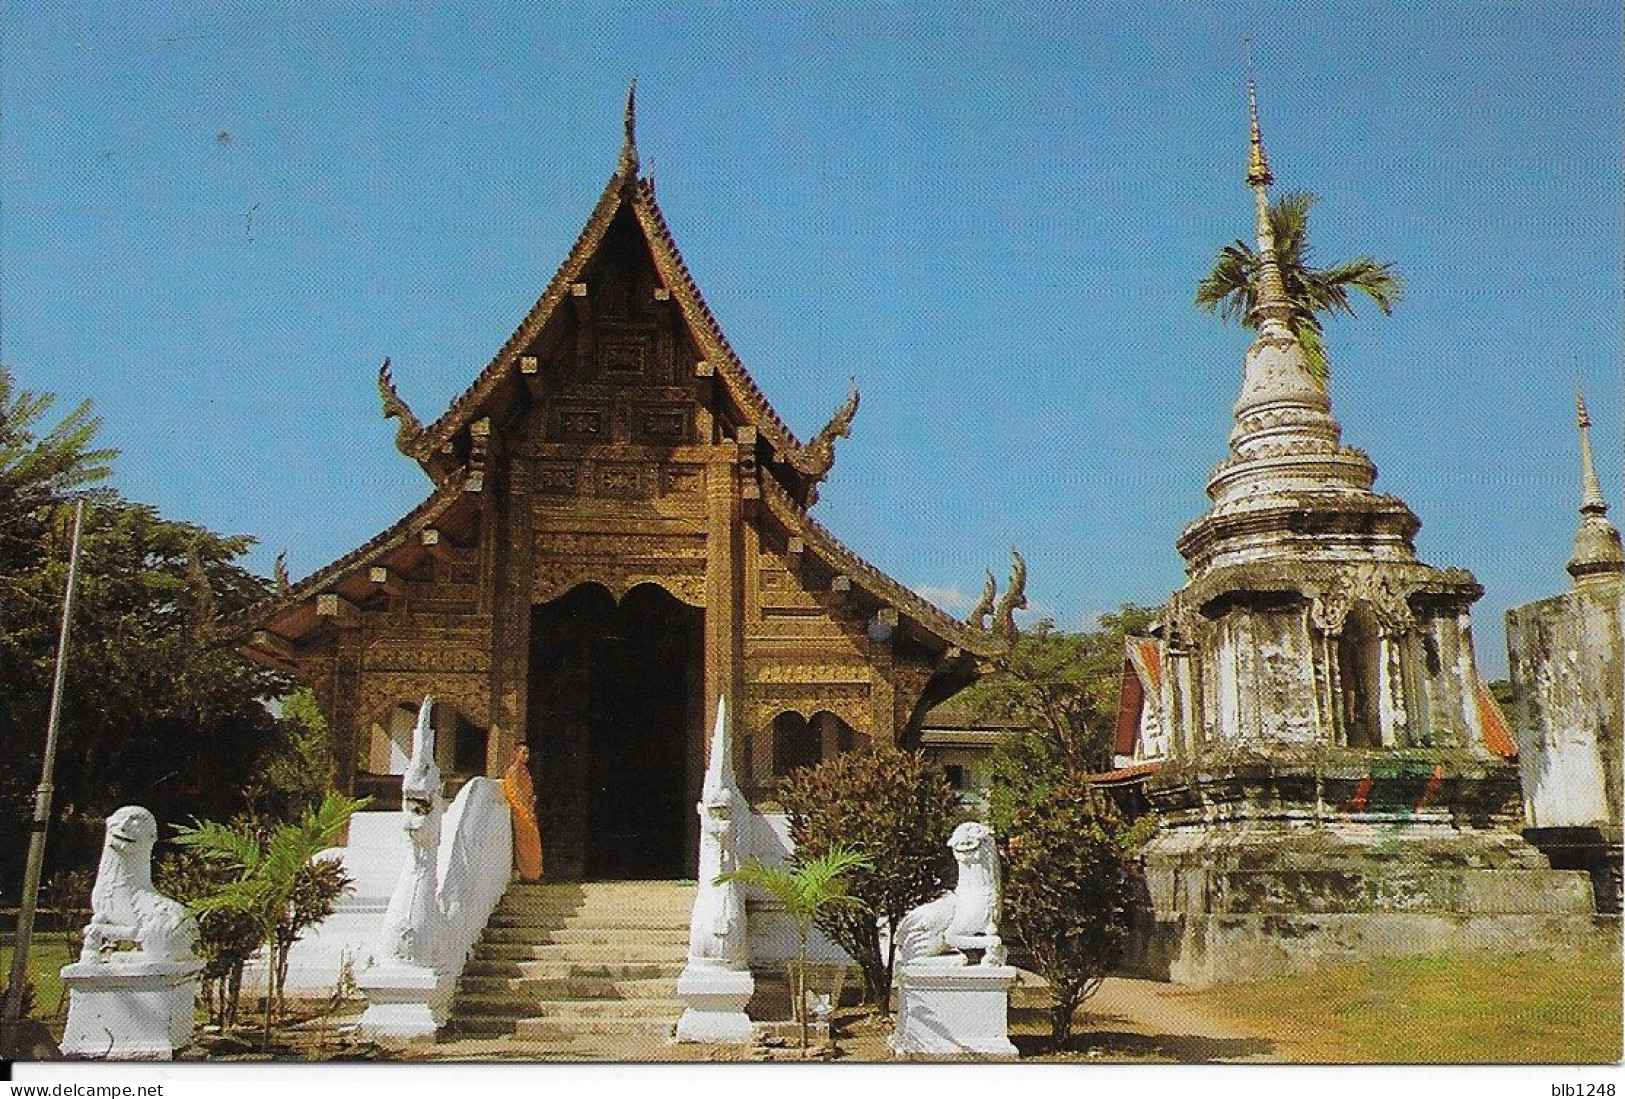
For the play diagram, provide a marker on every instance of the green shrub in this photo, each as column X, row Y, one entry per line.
column 226, row 938
column 1070, row 881
column 894, row 809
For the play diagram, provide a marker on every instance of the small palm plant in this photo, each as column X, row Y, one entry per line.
column 806, row 892
column 270, row 870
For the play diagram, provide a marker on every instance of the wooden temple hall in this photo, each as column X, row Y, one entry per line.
column 618, row 536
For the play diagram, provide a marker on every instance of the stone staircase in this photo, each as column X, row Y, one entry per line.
column 576, row 968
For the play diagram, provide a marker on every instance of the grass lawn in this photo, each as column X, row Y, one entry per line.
column 1561, row 1008
column 46, row 957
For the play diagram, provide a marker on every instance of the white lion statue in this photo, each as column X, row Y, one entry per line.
column 966, row 919
column 125, row 908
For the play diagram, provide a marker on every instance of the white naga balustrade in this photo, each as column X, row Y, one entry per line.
column 461, row 864
column 716, row 983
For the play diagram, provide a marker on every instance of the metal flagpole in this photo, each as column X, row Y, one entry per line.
column 42, row 800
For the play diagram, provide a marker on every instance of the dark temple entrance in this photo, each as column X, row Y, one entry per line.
column 614, row 720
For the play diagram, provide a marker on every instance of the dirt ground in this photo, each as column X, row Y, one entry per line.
column 1127, row 1020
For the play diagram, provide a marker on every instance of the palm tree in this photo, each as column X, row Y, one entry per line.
column 1231, row 288
column 805, row 893
column 271, row 868
column 35, row 468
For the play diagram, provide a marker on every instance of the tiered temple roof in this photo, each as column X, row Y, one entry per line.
column 453, row 450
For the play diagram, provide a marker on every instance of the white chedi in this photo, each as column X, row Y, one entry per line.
column 965, row 920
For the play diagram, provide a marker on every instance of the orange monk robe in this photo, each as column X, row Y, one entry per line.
column 527, row 834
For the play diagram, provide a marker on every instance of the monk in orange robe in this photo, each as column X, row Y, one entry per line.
column 527, row 834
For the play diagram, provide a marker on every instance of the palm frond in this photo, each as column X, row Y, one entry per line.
column 1231, row 287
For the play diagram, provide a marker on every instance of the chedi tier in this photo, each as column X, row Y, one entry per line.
column 1332, row 777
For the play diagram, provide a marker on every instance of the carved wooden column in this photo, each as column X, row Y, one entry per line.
column 512, row 583
column 345, row 713
column 724, row 612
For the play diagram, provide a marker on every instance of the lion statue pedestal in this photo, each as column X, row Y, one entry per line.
column 949, row 1010
column 946, row 1005
column 132, row 1005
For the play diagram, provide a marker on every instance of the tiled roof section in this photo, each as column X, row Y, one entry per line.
column 1496, row 733
column 872, row 579
column 621, row 190
column 1130, row 701
column 1124, row 775
column 253, row 616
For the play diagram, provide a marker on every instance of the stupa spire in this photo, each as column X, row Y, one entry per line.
column 1287, row 459
column 1270, row 301
column 1598, row 553
column 627, row 167
column 1591, row 501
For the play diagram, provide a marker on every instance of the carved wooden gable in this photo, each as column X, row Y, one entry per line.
column 616, row 368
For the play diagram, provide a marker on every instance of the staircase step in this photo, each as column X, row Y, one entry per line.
column 564, row 965
column 583, row 935
column 582, row 952
column 663, row 908
column 568, row 988
column 479, row 967
column 632, row 921
column 568, row 1030
column 518, row 1006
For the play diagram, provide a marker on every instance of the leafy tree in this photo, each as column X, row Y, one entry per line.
column 811, row 890
column 896, row 810
column 1070, row 882
column 39, row 466
column 316, row 893
column 156, row 712
column 297, row 770
column 270, row 867
column 1061, row 688
column 1231, row 288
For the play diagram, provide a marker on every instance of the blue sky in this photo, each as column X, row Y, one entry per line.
column 218, row 219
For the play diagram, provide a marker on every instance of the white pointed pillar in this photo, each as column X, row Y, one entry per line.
column 716, row 984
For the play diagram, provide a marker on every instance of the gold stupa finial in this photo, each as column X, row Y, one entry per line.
column 1258, row 161
column 628, row 166
column 1270, row 303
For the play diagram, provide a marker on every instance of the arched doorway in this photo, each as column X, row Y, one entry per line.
column 616, row 691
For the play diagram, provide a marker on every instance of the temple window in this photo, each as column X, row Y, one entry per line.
column 1430, row 653
column 468, row 756
column 389, row 740
column 794, row 744
column 835, row 736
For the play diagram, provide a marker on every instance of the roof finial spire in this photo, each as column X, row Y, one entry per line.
column 1258, row 163
column 628, row 166
column 1599, row 556
column 1270, row 303
column 1591, row 501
